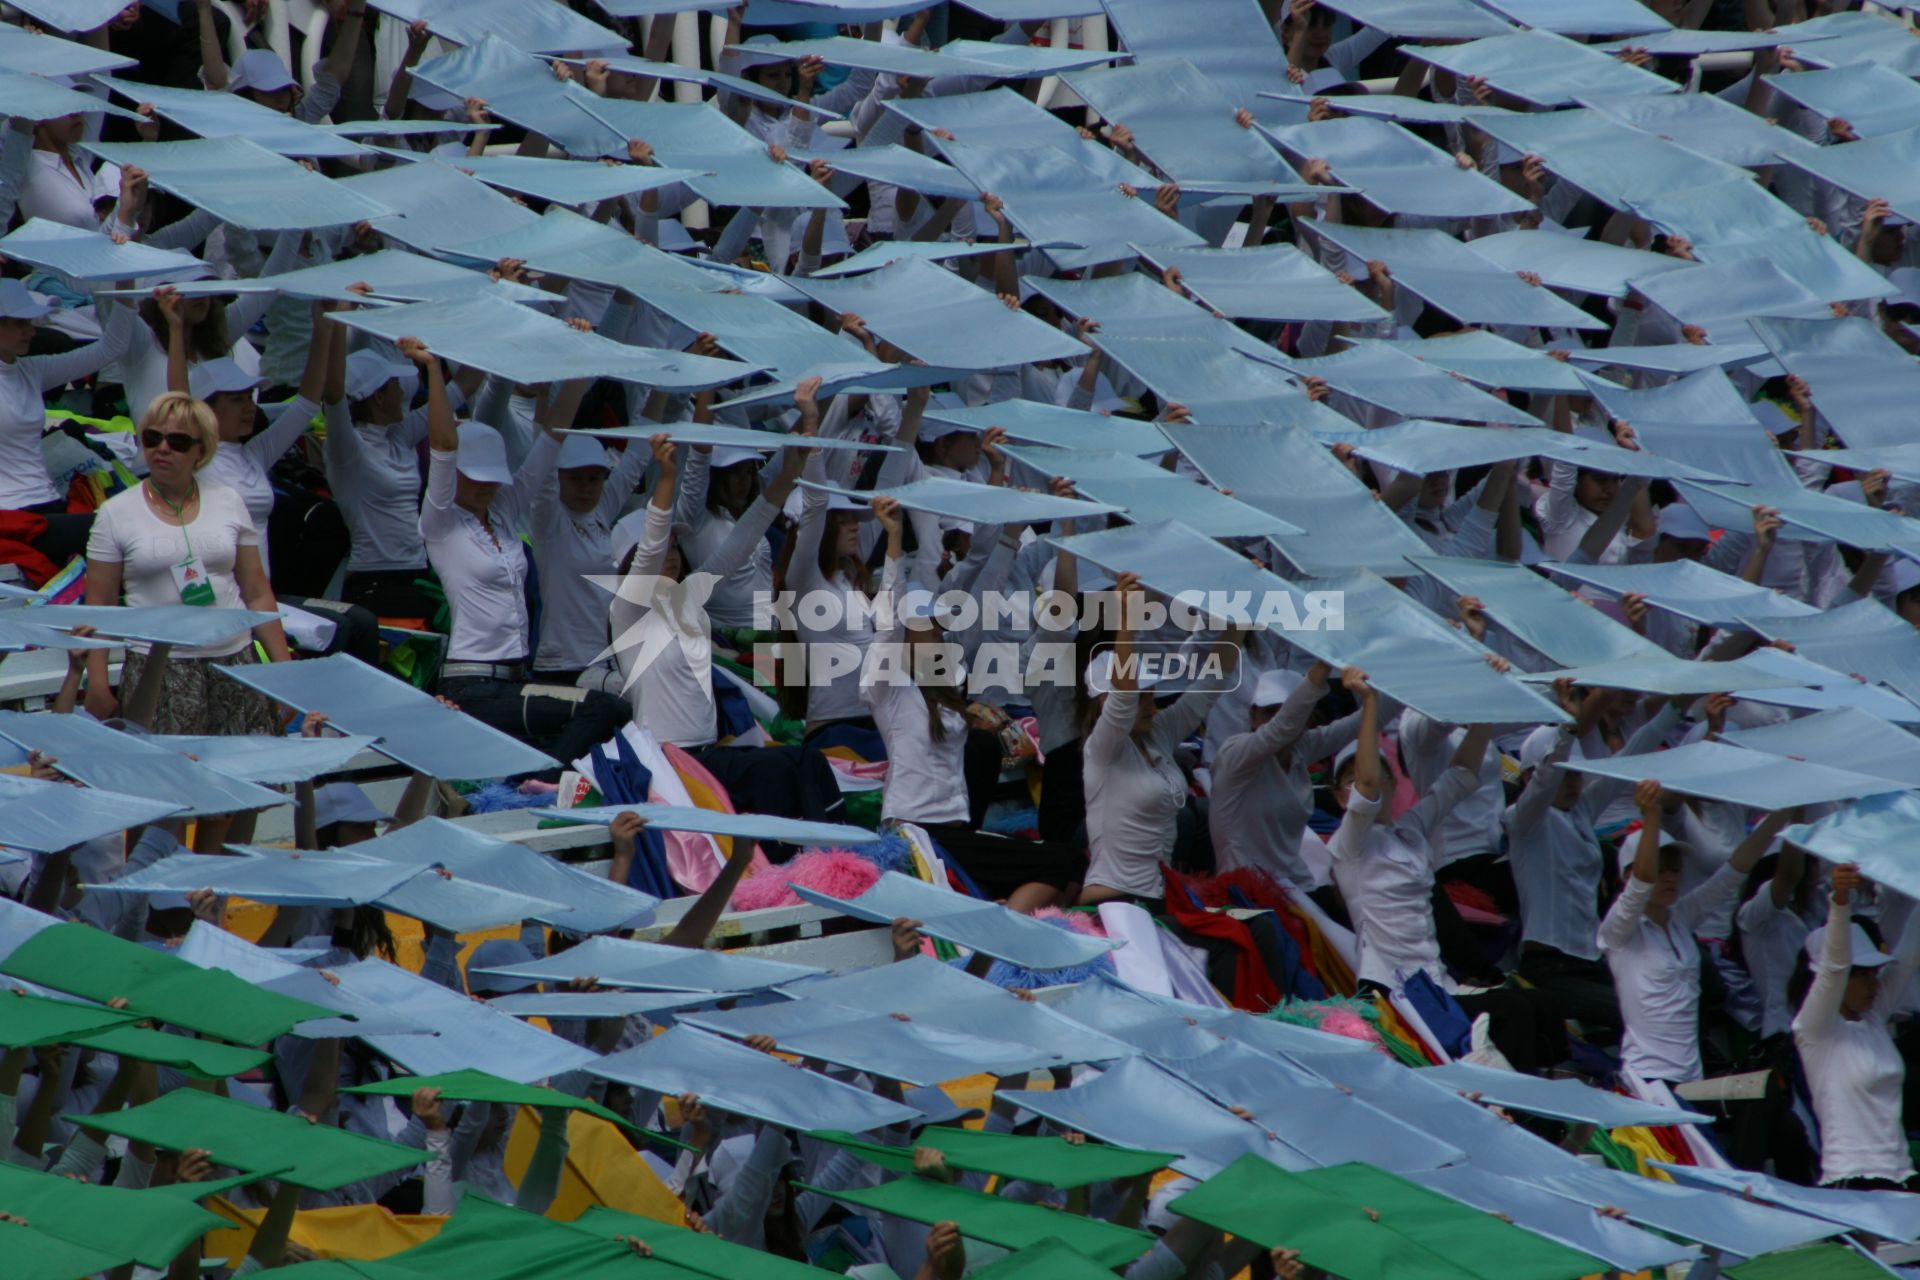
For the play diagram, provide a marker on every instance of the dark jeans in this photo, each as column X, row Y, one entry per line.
column 66, row 535
column 1584, row 987
column 564, row 723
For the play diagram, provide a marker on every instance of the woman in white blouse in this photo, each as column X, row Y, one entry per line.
column 471, row 523
column 66, row 186
column 172, row 540
column 1854, row 1072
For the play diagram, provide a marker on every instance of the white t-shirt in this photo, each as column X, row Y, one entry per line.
column 126, row 532
column 484, row 570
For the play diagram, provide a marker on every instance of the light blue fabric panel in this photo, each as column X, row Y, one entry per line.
column 727, row 437
column 228, row 115
column 1826, row 689
column 1395, row 171
column 1206, row 511
column 1491, row 361
column 279, row 876
column 91, row 753
column 1090, row 464
column 1570, row 262
column 1058, row 427
column 1383, row 106
column 1738, row 1227
column 1568, row 1100
column 1182, row 122
column 1691, row 43
column 1893, row 1215
column 521, row 88
column 1180, row 564
column 72, row 15
column 465, row 1034
column 1539, row 613
column 1862, row 380
column 774, row 13
column 1053, row 199
column 603, row 1004
column 50, row 56
column 1285, row 471
column 1004, row 118
column 1422, row 448
column 211, row 947
column 1029, row 61
column 1846, row 738
column 404, row 128
column 466, row 906
column 944, row 996
column 1219, row 384
column 1541, row 68
column 590, row 903
column 1030, row 10
column 731, row 1077
column 1397, row 382
column 1848, row 39
column 1901, row 461
column 1136, row 1099
column 394, row 273
column 936, row 317
column 897, row 166
column 1873, row 99
column 1708, row 396
column 1864, row 638
column 878, row 1044
column 719, row 81
column 32, row 97
column 761, row 332
column 90, row 255
column 1822, row 515
column 589, row 250
column 1313, row 1117
column 1453, row 278
column 1720, row 296
column 1135, row 305
column 1878, row 833
column 1583, row 17
column 1716, row 771
column 1660, row 672
column 985, row 927
column 735, row 167
column 243, row 183
column 537, row 28
column 274, row 761
column 1273, row 282
column 570, row 182
column 860, row 378
column 1415, row 658
column 909, row 60
column 888, row 251
column 1423, row 19
column 1230, row 42
column 618, row 962
column 412, row 727
column 1706, row 123
column 520, row 343
column 1619, row 1244
column 1672, row 358
column 982, row 504
column 1610, row 161
column 434, row 205
column 750, row 826
column 176, row 624
column 1690, row 589
column 46, row 817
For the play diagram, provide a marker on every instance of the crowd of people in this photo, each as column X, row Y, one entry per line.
column 900, row 393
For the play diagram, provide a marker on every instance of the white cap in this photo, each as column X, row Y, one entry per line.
column 483, row 454
column 578, row 452
column 935, row 428
column 497, row 953
column 218, row 377
column 1680, row 521
column 772, row 55
column 1275, row 687
column 1906, row 576
column 368, row 371
column 18, row 303
column 433, row 99
column 1849, row 490
column 842, row 502
column 260, row 70
column 1347, row 753
column 627, row 530
column 725, row 455
column 1536, row 745
column 1865, row 954
column 1907, row 281
column 344, row 802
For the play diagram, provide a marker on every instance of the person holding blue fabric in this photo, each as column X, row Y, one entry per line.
column 470, row 522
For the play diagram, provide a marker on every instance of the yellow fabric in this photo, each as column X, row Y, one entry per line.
column 362, row 1231
column 705, row 797
column 1646, row 1147
column 601, row 1168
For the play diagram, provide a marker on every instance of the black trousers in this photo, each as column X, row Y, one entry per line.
column 391, row 593
column 564, row 723
column 1584, row 987
column 66, row 535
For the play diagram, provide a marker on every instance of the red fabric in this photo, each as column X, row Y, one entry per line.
column 1253, row 987
column 1257, row 889
column 19, row 530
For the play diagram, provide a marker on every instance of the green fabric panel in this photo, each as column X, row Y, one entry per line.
column 142, row 1225
column 1052, row 1161
column 1818, row 1262
column 316, row 1156
column 702, row 1254
column 86, row 962
column 28, row 1021
column 1476, row 1240
column 485, row 1240
column 208, row 1059
column 193, row 1192
column 996, row 1221
column 1048, row 1260
column 478, row 1086
column 32, row 1254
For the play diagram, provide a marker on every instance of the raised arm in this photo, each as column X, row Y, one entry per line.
column 213, row 61
column 1820, row 1007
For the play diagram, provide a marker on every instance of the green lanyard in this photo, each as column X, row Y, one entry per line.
column 199, row 591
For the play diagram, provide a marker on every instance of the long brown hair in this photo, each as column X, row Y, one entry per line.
column 206, row 340
column 832, row 562
column 939, row 696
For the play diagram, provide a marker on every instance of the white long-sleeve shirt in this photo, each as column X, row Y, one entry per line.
column 1261, row 794
column 483, row 570
column 1135, row 789
column 1854, row 1072
column 375, row 475
column 732, row 602
column 1656, row 974
column 1385, row 873
column 243, row 467
column 1473, row 827
column 569, row 547
column 921, row 773
column 24, row 481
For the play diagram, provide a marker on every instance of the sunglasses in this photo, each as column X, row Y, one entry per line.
column 177, row 441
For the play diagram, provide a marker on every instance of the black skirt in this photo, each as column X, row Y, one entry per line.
column 1001, row 864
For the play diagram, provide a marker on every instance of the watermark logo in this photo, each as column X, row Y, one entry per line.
column 671, row 612
column 1168, row 666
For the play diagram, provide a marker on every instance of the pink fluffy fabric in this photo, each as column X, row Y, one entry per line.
column 1073, row 921
column 1344, row 1022
column 830, row 871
